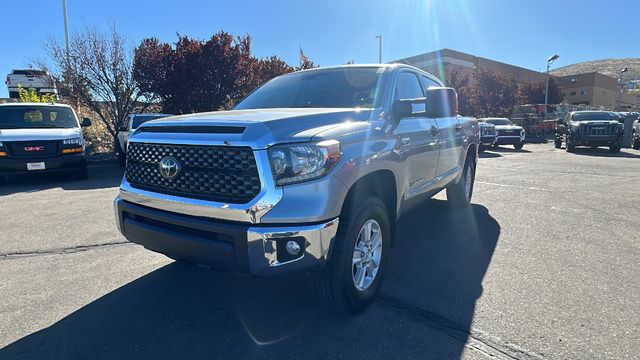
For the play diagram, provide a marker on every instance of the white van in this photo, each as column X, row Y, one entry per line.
column 37, row 137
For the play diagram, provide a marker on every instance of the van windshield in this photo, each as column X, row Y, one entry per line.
column 36, row 117
column 331, row 88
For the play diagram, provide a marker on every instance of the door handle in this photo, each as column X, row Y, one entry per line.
column 458, row 128
column 434, row 131
column 405, row 141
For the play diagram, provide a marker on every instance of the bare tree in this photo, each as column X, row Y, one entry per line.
column 98, row 73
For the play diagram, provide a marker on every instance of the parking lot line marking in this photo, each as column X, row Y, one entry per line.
column 516, row 186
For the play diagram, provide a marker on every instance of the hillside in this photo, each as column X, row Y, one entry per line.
column 610, row 67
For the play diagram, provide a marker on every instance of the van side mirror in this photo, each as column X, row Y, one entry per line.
column 85, row 122
column 442, row 102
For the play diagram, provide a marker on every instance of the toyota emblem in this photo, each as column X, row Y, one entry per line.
column 169, row 168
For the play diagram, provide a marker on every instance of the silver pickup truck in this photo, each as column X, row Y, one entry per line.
column 309, row 173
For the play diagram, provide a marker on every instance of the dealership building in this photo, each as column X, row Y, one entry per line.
column 593, row 89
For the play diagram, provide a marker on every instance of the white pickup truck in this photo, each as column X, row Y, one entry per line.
column 39, row 80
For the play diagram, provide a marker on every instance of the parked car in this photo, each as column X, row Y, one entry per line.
column 589, row 128
column 487, row 135
column 39, row 80
column 635, row 135
column 309, row 173
column 507, row 133
column 38, row 137
column 128, row 127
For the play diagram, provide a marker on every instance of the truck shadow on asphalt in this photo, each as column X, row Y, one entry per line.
column 180, row 311
column 100, row 177
column 604, row 152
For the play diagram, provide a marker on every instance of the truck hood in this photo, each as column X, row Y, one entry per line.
column 259, row 128
column 508, row 127
column 38, row 134
column 594, row 122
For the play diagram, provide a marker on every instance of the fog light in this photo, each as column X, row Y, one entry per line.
column 293, row 247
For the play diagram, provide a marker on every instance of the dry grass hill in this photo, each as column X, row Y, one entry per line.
column 610, row 67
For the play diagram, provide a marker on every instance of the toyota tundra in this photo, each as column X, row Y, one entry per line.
column 310, row 173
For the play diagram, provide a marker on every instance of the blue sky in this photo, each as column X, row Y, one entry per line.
column 331, row 32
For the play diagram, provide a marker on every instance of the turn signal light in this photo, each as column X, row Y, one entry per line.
column 72, row 151
column 2, row 153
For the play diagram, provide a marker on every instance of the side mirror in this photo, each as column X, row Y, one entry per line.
column 402, row 109
column 85, row 122
column 442, row 102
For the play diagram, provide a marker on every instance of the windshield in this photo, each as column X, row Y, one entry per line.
column 331, row 88
column 36, row 117
column 141, row 119
column 587, row 116
column 499, row 121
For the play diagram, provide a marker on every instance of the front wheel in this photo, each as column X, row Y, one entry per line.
column 558, row 143
column 460, row 193
column 352, row 277
column 615, row 148
column 519, row 145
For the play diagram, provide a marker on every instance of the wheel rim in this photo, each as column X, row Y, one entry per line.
column 468, row 183
column 367, row 253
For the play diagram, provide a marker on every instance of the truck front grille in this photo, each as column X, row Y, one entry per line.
column 214, row 173
column 34, row 149
column 598, row 130
column 487, row 131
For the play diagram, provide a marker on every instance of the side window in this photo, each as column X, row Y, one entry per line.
column 427, row 83
column 408, row 87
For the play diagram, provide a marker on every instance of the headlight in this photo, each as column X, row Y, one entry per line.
column 73, row 141
column 0, row 143
column 296, row 163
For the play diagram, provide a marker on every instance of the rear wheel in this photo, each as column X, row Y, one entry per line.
column 615, row 148
column 635, row 142
column 460, row 193
column 352, row 277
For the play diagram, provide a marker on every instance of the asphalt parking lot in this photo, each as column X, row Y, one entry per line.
column 544, row 265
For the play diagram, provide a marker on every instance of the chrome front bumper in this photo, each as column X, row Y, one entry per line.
column 234, row 247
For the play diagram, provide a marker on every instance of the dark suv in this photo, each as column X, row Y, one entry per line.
column 589, row 128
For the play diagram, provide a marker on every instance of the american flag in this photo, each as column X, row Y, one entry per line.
column 303, row 57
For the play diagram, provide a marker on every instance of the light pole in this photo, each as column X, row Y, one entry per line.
column 66, row 29
column 621, row 87
column 550, row 61
column 379, row 37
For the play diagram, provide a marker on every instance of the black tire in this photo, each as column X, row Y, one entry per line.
column 14, row 95
column 570, row 147
column 614, row 149
column 558, row 143
column 519, row 145
column 481, row 149
column 333, row 286
column 635, row 142
column 456, row 193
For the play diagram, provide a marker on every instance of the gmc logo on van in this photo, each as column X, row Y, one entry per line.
column 33, row 148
